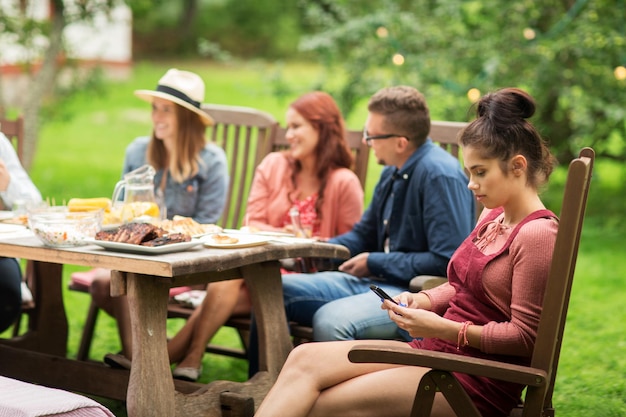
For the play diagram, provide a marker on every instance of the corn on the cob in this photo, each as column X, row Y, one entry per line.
column 87, row 204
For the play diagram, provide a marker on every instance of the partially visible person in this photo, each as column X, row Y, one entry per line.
column 15, row 186
column 191, row 173
column 491, row 306
column 312, row 176
column 420, row 213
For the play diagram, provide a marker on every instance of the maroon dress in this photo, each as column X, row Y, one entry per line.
column 492, row 398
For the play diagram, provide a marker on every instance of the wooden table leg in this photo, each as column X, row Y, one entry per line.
column 266, row 291
column 233, row 398
column 151, row 388
column 47, row 326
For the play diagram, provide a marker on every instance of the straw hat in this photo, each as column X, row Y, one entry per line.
column 182, row 87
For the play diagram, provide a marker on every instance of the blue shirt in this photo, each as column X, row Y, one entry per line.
column 201, row 197
column 426, row 211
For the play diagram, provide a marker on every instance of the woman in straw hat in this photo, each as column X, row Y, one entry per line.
column 191, row 173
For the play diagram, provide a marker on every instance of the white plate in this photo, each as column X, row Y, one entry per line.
column 244, row 241
column 292, row 239
column 146, row 250
column 111, row 226
column 259, row 233
column 6, row 214
column 11, row 228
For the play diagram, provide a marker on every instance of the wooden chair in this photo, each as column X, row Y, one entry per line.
column 13, row 129
column 245, row 134
column 539, row 376
column 241, row 132
column 445, row 134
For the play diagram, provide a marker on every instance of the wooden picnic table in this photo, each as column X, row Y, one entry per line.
column 39, row 356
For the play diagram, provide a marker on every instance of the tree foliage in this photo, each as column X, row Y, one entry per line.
column 564, row 52
column 249, row 29
column 43, row 42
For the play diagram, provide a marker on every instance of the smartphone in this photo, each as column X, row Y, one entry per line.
column 381, row 293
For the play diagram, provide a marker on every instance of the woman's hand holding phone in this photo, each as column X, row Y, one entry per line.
column 384, row 296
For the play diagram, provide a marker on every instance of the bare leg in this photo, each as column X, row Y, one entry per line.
column 319, row 380
column 100, row 290
column 116, row 307
column 122, row 314
column 386, row 392
column 178, row 345
column 223, row 299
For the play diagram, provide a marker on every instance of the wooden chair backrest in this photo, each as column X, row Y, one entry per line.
column 360, row 150
column 241, row 132
column 557, row 294
column 445, row 134
column 14, row 131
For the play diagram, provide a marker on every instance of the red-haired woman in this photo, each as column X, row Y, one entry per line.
column 314, row 176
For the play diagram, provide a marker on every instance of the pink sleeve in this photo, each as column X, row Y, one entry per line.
column 440, row 297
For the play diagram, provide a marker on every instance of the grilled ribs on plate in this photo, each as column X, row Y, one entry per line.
column 145, row 234
column 167, row 239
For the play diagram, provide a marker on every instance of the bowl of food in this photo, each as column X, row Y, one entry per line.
column 59, row 227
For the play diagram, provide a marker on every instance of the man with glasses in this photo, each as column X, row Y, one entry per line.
column 420, row 212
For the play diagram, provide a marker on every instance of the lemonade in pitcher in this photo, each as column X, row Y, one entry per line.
column 139, row 199
column 138, row 209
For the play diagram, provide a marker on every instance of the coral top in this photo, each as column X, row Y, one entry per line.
column 269, row 200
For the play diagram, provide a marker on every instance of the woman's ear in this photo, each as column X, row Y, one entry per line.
column 519, row 164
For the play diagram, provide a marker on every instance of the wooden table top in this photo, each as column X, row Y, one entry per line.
column 194, row 260
column 150, row 385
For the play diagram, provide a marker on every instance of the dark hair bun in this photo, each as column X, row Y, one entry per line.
column 506, row 106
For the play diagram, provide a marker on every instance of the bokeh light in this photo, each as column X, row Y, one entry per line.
column 473, row 94
column 529, row 34
column 620, row 73
column 382, row 32
column 398, row 59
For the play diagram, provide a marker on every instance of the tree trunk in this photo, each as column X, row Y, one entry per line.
column 185, row 26
column 41, row 82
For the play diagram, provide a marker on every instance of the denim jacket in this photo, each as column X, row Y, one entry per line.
column 432, row 212
column 202, row 196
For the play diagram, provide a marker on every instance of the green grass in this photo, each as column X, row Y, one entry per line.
column 80, row 154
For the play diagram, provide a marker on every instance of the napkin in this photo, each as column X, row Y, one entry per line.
column 21, row 399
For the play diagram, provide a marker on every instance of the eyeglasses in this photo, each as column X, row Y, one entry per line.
column 369, row 138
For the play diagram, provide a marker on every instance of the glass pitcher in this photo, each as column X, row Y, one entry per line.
column 139, row 199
